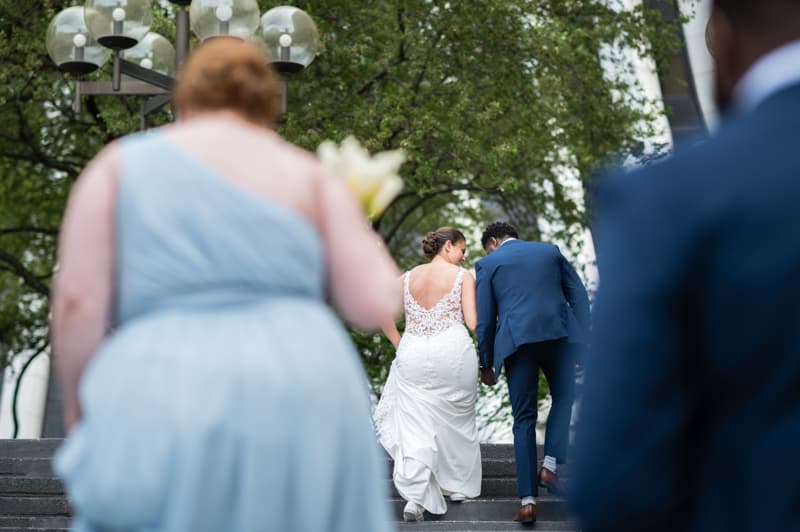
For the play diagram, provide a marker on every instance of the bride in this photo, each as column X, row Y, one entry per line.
column 426, row 416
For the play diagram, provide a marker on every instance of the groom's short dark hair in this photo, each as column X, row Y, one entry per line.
column 498, row 230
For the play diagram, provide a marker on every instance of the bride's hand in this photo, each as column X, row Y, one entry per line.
column 487, row 377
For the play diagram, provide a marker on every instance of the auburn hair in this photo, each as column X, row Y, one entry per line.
column 228, row 73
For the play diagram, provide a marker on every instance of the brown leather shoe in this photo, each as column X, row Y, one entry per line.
column 526, row 514
column 549, row 480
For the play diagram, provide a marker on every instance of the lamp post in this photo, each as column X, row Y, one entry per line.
column 81, row 39
column 292, row 40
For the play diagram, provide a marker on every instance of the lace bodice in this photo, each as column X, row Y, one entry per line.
column 446, row 313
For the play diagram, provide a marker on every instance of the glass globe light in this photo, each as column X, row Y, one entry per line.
column 212, row 18
column 118, row 24
column 71, row 46
column 153, row 52
column 291, row 38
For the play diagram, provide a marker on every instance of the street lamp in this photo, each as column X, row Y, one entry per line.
column 211, row 18
column 81, row 39
column 118, row 24
column 70, row 45
column 154, row 52
column 292, row 40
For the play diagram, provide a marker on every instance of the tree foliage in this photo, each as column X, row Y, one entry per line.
column 499, row 104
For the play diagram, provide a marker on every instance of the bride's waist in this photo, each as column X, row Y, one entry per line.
column 435, row 331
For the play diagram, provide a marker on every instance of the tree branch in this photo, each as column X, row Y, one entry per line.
column 28, row 277
column 421, row 74
column 25, row 135
column 419, row 202
column 49, row 231
column 15, row 399
column 401, row 57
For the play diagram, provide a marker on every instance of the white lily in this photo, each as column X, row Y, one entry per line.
column 373, row 179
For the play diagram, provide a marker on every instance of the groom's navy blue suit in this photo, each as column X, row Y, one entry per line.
column 691, row 413
column 531, row 303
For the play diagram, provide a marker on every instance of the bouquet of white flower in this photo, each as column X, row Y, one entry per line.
column 373, row 179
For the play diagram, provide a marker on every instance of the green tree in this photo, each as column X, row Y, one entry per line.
column 494, row 101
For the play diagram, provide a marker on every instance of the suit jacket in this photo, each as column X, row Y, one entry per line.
column 527, row 292
column 691, row 413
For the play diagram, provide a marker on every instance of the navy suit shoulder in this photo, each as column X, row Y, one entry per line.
column 696, row 342
column 749, row 146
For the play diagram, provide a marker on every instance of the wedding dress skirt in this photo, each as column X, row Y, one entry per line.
column 426, row 418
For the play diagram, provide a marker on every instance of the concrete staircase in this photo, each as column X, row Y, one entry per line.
column 32, row 498
column 496, row 506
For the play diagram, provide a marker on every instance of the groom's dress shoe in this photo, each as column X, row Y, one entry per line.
column 526, row 514
column 549, row 480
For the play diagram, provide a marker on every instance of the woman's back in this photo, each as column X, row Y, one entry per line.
column 218, row 200
column 188, row 236
column 253, row 158
column 429, row 283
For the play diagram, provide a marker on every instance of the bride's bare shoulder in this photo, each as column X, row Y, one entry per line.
column 419, row 268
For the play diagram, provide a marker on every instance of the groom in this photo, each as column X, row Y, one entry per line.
column 531, row 303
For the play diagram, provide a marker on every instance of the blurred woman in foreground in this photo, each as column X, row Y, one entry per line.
column 228, row 396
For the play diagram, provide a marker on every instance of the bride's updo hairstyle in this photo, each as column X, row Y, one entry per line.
column 229, row 74
column 434, row 241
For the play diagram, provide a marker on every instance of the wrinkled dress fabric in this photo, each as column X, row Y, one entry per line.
column 228, row 397
column 425, row 418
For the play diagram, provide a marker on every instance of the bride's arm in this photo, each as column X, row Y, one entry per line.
column 391, row 332
column 468, row 305
column 390, row 327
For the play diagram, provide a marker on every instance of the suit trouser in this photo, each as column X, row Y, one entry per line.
column 522, row 374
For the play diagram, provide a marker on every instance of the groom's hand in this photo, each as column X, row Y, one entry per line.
column 487, row 377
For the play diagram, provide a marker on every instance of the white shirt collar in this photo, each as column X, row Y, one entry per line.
column 509, row 239
column 774, row 71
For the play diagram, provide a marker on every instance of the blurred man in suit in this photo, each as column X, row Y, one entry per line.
column 531, row 304
column 691, row 413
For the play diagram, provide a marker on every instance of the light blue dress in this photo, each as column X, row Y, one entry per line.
column 229, row 396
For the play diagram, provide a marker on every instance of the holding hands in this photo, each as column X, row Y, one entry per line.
column 487, row 377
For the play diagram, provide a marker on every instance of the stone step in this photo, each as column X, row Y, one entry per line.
column 45, row 447
column 30, row 467
column 36, row 486
column 31, row 486
column 500, row 468
column 32, row 529
column 34, row 505
column 42, row 467
column 491, row 467
column 492, row 509
column 487, row 526
column 28, row 522
column 33, row 458
column 41, row 448
column 490, row 488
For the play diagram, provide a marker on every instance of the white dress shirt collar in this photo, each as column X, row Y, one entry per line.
column 509, row 239
column 773, row 72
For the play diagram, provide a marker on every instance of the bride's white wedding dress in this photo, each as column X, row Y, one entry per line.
column 426, row 416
